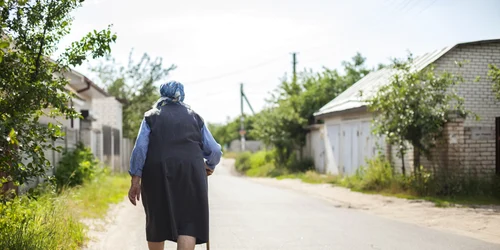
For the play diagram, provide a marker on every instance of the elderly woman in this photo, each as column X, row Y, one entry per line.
column 173, row 155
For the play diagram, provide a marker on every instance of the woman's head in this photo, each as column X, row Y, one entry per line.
column 171, row 92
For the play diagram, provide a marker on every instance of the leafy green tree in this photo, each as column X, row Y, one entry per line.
column 33, row 85
column 135, row 84
column 292, row 106
column 494, row 73
column 226, row 133
column 415, row 107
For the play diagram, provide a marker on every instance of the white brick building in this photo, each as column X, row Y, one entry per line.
column 344, row 141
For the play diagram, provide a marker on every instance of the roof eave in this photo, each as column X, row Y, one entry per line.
column 341, row 112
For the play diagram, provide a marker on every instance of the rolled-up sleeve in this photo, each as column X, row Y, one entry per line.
column 140, row 150
column 211, row 149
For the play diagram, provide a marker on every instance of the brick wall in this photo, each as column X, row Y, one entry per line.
column 469, row 146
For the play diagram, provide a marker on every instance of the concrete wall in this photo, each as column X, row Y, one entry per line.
column 109, row 112
column 251, row 146
column 315, row 148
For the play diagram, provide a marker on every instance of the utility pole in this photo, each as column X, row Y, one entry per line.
column 242, row 121
column 294, row 54
column 243, row 98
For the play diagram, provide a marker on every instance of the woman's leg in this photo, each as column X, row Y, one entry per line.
column 156, row 245
column 185, row 242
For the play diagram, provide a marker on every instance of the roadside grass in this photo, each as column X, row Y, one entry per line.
column 52, row 220
column 93, row 199
column 378, row 177
column 231, row 155
column 311, row 177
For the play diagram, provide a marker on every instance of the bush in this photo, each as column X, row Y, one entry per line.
column 242, row 163
column 44, row 223
column 378, row 175
column 296, row 166
column 76, row 167
column 454, row 185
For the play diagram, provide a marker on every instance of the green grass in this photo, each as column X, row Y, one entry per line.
column 231, row 155
column 52, row 220
column 311, row 177
column 42, row 223
column 92, row 200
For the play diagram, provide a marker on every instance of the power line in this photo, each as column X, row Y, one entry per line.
column 233, row 72
column 428, row 6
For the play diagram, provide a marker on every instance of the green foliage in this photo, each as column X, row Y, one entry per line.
column 262, row 164
column 311, row 177
column 226, row 133
column 301, row 165
column 76, row 167
column 242, row 163
column 494, row 73
column 135, row 84
column 282, row 125
column 259, row 164
column 415, row 106
column 92, row 200
column 378, row 175
column 42, row 223
column 32, row 85
column 454, row 185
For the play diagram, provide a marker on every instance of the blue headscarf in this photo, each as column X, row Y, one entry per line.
column 171, row 92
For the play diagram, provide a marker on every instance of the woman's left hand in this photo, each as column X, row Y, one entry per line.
column 134, row 194
column 209, row 170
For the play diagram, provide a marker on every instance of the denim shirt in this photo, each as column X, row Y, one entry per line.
column 211, row 149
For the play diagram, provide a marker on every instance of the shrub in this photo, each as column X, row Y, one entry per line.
column 454, row 185
column 76, row 167
column 304, row 165
column 377, row 175
column 44, row 223
column 242, row 163
column 266, row 170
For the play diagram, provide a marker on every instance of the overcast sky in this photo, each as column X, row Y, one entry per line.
column 219, row 44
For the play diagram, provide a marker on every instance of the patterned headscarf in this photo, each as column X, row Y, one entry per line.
column 171, row 92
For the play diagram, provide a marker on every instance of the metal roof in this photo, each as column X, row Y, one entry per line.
column 367, row 87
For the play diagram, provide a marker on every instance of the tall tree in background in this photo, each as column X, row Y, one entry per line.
column 32, row 85
column 135, row 84
column 292, row 107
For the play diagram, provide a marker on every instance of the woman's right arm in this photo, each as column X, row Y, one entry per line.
column 140, row 150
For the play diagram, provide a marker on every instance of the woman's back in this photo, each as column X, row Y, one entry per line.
column 175, row 133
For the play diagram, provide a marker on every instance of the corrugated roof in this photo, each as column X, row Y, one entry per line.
column 371, row 83
column 367, row 87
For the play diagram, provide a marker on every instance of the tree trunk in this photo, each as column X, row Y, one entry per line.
column 416, row 160
column 403, row 169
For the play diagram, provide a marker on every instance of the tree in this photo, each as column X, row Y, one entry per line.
column 494, row 73
column 226, row 133
column 33, row 85
column 135, row 84
column 292, row 106
column 414, row 108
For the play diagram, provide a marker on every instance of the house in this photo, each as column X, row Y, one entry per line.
column 344, row 141
column 100, row 128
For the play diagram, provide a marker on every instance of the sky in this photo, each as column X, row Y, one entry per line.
column 218, row 44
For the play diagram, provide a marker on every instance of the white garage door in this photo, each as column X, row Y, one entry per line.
column 334, row 141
